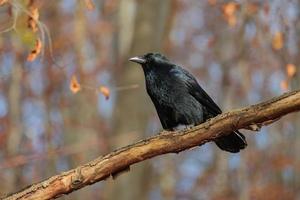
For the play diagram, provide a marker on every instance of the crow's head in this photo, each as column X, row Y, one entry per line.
column 150, row 60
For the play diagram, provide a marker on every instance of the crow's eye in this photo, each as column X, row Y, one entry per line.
column 149, row 55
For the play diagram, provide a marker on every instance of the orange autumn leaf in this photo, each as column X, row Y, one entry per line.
column 229, row 10
column 34, row 15
column 36, row 51
column 291, row 70
column 89, row 4
column 277, row 41
column 105, row 91
column 3, row 2
column 284, row 85
column 74, row 85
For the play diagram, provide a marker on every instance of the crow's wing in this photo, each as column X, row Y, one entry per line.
column 233, row 142
column 195, row 90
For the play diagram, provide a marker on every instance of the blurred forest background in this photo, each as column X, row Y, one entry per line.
column 242, row 52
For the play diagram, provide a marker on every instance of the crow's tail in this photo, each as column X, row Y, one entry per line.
column 233, row 142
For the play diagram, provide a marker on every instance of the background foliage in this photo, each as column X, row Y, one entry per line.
column 68, row 93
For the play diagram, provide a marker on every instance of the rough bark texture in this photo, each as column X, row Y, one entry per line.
column 166, row 142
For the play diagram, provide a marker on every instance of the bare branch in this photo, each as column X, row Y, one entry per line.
column 166, row 142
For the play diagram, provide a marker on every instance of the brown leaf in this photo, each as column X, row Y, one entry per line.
column 105, row 91
column 74, row 85
column 36, row 51
column 284, row 85
column 291, row 70
column 277, row 41
column 33, row 16
column 229, row 10
column 89, row 4
column 2, row 2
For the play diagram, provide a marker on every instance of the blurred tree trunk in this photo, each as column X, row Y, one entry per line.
column 149, row 30
column 51, row 161
column 221, row 185
column 50, row 164
column 82, row 115
column 15, row 126
column 295, row 85
column 229, row 56
column 297, row 158
column 243, row 178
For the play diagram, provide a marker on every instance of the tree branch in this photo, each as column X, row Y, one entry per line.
column 166, row 142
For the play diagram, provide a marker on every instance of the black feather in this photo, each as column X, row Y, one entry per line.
column 180, row 100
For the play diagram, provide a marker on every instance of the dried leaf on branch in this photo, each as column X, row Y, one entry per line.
column 74, row 85
column 36, row 51
column 229, row 13
column 34, row 15
column 284, row 85
column 2, row 2
column 277, row 41
column 291, row 70
column 105, row 91
column 89, row 4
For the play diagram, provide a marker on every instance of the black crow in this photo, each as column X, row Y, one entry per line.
column 179, row 100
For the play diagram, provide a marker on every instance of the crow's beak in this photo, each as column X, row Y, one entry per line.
column 137, row 59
